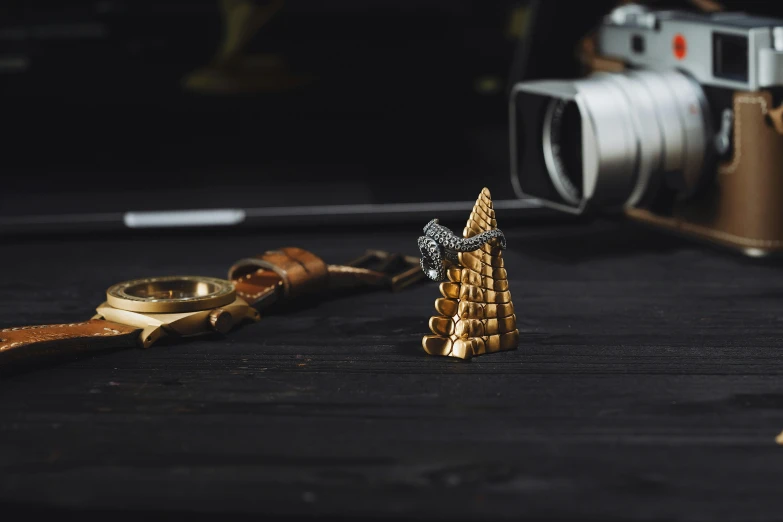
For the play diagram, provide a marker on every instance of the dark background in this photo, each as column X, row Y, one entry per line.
column 100, row 103
column 94, row 101
column 398, row 108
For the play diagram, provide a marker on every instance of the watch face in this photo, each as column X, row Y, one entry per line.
column 171, row 294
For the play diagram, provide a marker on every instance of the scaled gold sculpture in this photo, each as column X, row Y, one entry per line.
column 475, row 314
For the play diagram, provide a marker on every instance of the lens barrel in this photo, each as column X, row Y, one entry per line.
column 609, row 139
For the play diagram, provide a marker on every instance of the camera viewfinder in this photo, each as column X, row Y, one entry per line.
column 730, row 56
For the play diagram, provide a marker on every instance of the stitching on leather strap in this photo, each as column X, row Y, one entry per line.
column 248, row 296
column 35, row 327
column 37, row 335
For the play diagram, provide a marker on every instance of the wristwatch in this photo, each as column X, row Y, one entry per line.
column 142, row 311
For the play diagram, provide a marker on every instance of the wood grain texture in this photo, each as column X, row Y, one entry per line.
column 647, row 386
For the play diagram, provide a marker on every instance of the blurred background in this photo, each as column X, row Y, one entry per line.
column 118, row 105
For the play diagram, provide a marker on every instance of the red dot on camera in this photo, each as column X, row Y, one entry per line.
column 679, row 46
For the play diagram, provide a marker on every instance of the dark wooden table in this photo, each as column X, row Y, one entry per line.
column 647, row 386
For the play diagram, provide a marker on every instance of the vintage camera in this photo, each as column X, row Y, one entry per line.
column 679, row 124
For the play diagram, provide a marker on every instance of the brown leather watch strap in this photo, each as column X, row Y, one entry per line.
column 286, row 273
column 289, row 273
column 29, row 343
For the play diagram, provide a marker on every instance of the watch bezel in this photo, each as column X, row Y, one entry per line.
column 223, row 293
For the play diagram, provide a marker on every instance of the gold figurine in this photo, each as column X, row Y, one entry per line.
column 475, row 314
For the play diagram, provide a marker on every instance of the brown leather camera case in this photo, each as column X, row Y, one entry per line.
column 744, row 207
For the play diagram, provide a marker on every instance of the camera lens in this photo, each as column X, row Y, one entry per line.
column 563, row 148
column 607, row 140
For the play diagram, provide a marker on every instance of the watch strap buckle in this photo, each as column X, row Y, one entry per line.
column 398, row 271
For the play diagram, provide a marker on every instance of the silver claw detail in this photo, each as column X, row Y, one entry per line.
column 440, row 245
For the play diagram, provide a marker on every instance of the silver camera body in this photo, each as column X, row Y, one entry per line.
column 615, row 140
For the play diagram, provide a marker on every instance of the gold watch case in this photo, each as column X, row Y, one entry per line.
column 171, row 294
column 179, row 306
